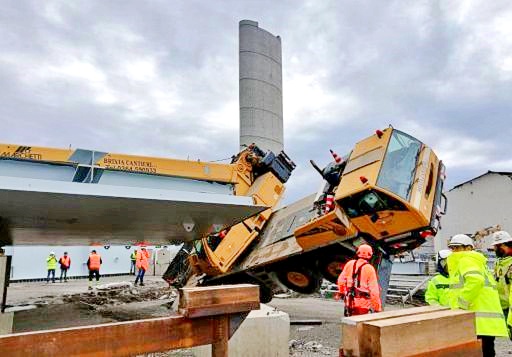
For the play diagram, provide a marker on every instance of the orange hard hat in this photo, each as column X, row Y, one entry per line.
column 364, row 251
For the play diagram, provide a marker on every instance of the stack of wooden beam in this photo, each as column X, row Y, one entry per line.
column 413, row 332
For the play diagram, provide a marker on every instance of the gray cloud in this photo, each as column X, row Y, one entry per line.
column 161, row 78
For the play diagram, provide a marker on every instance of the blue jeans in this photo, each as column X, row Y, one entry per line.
column 140, row 276
column 52, row 272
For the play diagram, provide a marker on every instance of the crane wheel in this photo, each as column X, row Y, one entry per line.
column 301, row 279
column 331, row 266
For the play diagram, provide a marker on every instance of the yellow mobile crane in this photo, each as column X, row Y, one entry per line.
column 386, row 192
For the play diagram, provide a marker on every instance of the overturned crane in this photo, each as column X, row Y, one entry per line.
column 387, row 192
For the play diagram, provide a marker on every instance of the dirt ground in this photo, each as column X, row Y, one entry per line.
column 71, row 304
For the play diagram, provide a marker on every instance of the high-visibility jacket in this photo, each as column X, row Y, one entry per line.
column 133, row 256
column 94, row 262
column 65, row 261
column 142, row 259
column 438, row 292
column 473, row 288
column 367, row 290
column 503, row 276
column 51, row 262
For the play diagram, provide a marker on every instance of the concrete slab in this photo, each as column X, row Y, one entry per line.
column 6, row 320
column 263, row 333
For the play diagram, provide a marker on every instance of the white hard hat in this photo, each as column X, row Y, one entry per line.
column 501, row 237
column 443, row 253
column 52, row 253
column 461, row 239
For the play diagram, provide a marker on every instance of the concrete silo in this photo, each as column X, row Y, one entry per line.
column 261, row 88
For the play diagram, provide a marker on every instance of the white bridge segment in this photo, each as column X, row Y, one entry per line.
column 47, row 212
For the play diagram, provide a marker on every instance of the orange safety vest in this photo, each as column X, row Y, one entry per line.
column 65, row 261
column 359, row 285
column 94, row 262
column 142, row 259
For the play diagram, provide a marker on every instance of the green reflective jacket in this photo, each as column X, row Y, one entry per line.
column 437, row 292
column 473, row 288
column 51, row 262
column 133, row 256
column 503, row 275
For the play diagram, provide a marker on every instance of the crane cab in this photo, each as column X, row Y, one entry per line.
column 391, row 190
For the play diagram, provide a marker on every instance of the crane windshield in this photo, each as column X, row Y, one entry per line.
column 399, row 166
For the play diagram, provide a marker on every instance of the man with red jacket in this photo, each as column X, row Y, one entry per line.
column 358, row 284
column 94, row 263
column 142, row 264
column 65, row 264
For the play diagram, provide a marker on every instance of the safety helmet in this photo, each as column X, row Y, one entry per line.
column 461, row 239
column 501, row 237
column 52, row 253
column 443, row 254
column 364, row 251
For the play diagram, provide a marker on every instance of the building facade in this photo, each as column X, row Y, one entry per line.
column 476, row 205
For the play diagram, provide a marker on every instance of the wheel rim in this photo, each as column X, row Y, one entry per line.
column 298, row 279
column 334, row 268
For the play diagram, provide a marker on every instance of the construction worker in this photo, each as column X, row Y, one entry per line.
column 133, row 259
column 93, row 264
column 358, row 284
column 473, row 288
column 65, row 264
column 503, row 271
column 142, row 265
column 51, row 264
column 437, row 292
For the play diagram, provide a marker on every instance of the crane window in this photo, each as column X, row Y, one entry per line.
column 399, row 166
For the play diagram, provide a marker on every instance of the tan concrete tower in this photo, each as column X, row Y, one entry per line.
column 261, row 88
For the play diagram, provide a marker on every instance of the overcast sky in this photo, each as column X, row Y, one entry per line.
column 161, row 77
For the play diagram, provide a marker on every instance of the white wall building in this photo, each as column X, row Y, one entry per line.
column 479, row 203
column 29, row 262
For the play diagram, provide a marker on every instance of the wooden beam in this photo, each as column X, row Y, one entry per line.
column 214, row 300
column 220, row 346
column 144, row 336
column 351, row 327
column 469, row 349
column 415, row 334
column 113, row 339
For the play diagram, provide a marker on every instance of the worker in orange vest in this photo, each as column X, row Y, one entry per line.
column 94, row 263
column 65, row 264
column 142, row 264
column 358, row 284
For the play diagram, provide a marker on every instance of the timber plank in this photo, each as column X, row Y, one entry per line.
column 229, row 305
column 114, row 339
column 470, row 349
column 416, row 334
column 210, row 300
column 351, row 327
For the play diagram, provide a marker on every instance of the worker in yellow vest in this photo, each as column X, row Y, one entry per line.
column 503, row 272
column 51, row 265
column 133, row 260
column 437, row 292
column 473, row 288
column 94, row 263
